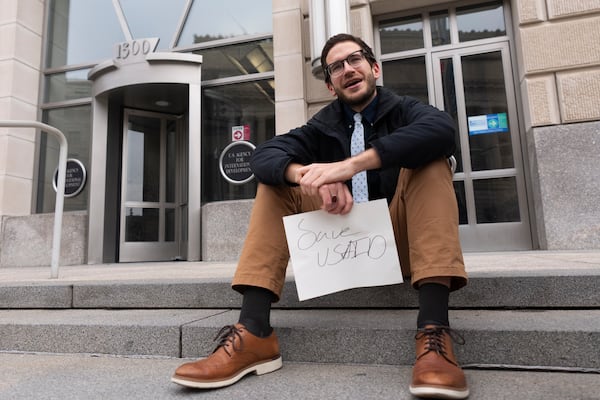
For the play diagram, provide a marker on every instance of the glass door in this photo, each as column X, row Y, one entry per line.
column 151, row 206
column 475, row 86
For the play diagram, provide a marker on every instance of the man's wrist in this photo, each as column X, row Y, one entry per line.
column 291, row 174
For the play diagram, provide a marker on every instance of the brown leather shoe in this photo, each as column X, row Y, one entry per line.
column 238, row 353
column 436, row 374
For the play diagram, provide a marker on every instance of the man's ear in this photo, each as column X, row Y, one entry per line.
column 376, row 70
column 331, row 89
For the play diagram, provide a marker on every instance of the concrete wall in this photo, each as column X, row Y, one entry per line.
column 27, row 240
column 224, row 227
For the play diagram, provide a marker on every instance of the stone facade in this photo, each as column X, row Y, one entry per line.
column 21, row 25
column 556, row 46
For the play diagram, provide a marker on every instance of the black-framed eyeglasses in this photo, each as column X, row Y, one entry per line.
column 354, row 60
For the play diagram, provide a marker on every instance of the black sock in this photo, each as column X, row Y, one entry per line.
column 255, row 314
column 433, row 305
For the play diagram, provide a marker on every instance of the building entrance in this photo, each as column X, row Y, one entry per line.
column 458, row 58
column 474, row 85
column 153, row 187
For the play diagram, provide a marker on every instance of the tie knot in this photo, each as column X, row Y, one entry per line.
column 357, row 117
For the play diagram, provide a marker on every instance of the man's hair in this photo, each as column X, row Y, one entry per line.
column 344, row 37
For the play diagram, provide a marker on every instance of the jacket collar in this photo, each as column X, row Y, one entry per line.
column 331, row 120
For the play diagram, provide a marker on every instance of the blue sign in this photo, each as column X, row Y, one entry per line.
column 488, row 123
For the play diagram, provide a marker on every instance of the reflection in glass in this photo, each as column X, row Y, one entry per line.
column 143, row 159
column 496, row 200
column 461, row 199
column 76, row 124
column 440, row 28
column 485, row 99
column 449, row 91
column 481, row 21
column 81, row 31
column 238, row 59
column 401, row 34
column 214, row 20
column 141, row 224
column 169, row 224
column 224, row 107
column 153, row 18
column 67, row 86
column 407, row 77
column 171, row 166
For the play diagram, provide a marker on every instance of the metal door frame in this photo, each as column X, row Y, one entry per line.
column 501, row 235
column 161, row 250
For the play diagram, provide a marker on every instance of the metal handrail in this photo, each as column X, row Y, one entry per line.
column 60, row 187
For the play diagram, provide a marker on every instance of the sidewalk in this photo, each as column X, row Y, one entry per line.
column 47, row 376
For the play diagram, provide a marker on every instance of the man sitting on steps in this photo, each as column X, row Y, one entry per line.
column 367, row 144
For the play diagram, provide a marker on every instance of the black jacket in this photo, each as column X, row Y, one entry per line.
column 406, row 134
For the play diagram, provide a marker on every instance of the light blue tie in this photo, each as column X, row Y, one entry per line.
column 360, row 191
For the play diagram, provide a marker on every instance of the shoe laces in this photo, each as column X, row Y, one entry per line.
column 434, row 337
column 227, row 335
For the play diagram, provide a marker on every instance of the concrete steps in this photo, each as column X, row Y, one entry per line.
column 536, row 309
column 556, row 338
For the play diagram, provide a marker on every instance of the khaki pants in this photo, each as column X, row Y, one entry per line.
column 424, row 216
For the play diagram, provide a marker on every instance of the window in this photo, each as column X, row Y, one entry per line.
column 480, row 21
column 233, row 36
column 401, row 34
column 237, row 59
column 81, row 31
column 68, row 85
column 153, row 18
column 225, row 19
column 223, row 107
column 76, row 124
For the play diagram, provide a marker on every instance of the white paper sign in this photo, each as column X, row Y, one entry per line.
column 331, row 253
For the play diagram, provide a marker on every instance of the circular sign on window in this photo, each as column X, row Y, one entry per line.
column 234, row 162
column 74, row 179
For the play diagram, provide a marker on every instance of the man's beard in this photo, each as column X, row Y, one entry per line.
column 363, row 100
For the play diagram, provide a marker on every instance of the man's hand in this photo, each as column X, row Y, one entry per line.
column 336, row 198
column 314, row 176
column 326, row 180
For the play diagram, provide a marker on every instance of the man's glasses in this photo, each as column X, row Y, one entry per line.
column 354, row 60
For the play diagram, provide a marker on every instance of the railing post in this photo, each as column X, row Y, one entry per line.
column 60, row 185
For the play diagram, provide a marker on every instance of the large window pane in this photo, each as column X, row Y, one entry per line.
column 75, row 123
column 170, row 214
column 213, row 20
column 171, row 168
column 141, row 224
column 238, row 59
column 487, row 112
column 143, row 159
column 461, row 199
column 153, row 18
column 407, row 77
column 440, row 28
column 496, row 200
column 81, row 31
column 401, row 34
column 449, row 91
column 67, row 86
column 480, row 22
column 223, row 108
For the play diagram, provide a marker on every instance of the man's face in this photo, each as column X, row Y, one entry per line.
column 356, row 85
